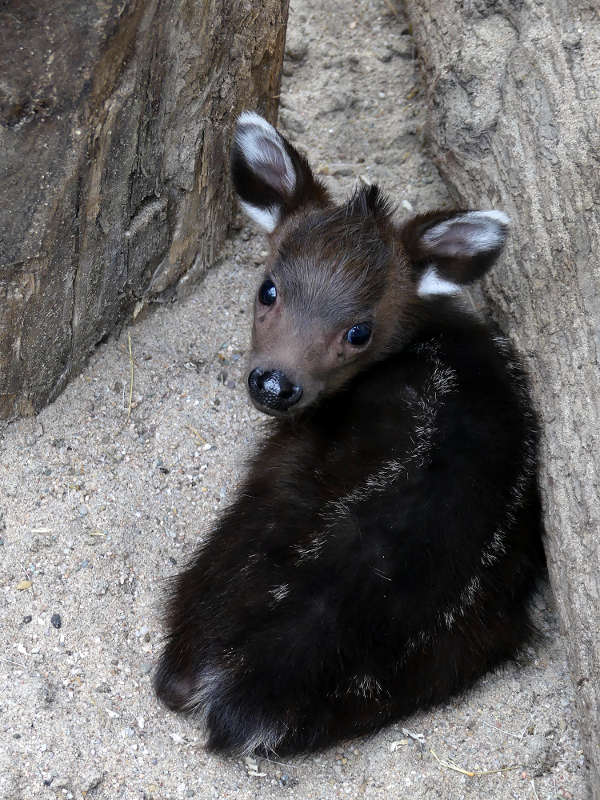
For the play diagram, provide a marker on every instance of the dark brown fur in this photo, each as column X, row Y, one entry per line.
column 387, row 539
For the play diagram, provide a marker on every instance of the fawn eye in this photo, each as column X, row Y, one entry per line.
column 267, row 294
column 359, row 334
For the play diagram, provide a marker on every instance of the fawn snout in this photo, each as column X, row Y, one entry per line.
column 272, row 389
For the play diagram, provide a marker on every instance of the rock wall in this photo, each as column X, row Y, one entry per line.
column 115, row 120
column 514, row 96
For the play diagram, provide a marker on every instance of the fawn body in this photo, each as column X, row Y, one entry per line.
column 382, row 551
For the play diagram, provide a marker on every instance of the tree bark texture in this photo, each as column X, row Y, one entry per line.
column 115, row 121
column 514, row 93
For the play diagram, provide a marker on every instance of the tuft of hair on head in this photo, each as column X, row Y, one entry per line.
column 369, row 201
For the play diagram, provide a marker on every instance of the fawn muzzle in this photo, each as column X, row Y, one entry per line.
column 272, row 390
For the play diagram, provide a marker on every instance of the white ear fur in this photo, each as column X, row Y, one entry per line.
column 267, row 218
column 431, row 283
column 264, row 151
column 467, row 234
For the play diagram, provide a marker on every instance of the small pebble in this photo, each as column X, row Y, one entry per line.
column 91, row 782
column 296, row 48
column 291, row 122
column 404, row 48
column 341, row 169
column 56, row 621
column 384, row 54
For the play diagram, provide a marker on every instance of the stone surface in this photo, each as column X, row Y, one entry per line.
column 514, row 95
column 115, row 120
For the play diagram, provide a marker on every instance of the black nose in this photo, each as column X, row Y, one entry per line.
column 273, row 389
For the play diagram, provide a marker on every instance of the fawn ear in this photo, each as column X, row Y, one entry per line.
column 452, row 249
column 270, row 176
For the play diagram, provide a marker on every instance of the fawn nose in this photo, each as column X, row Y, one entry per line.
column 273, row 389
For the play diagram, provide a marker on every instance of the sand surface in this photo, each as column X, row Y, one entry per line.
column 98, row 508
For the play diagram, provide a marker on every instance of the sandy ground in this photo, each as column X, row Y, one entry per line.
column 98, row 509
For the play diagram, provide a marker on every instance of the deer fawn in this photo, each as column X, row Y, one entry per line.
column 385, row 544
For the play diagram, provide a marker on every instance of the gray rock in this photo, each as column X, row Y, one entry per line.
column 90, row 781
column 341, row 169
column 336, row 102
column 291, row 122
column 543, row 755
column 296, row 47
column 404, row 47
column 384, row 53
column 104, row 135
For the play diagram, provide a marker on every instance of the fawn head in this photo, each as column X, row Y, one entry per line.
column 344, row 286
